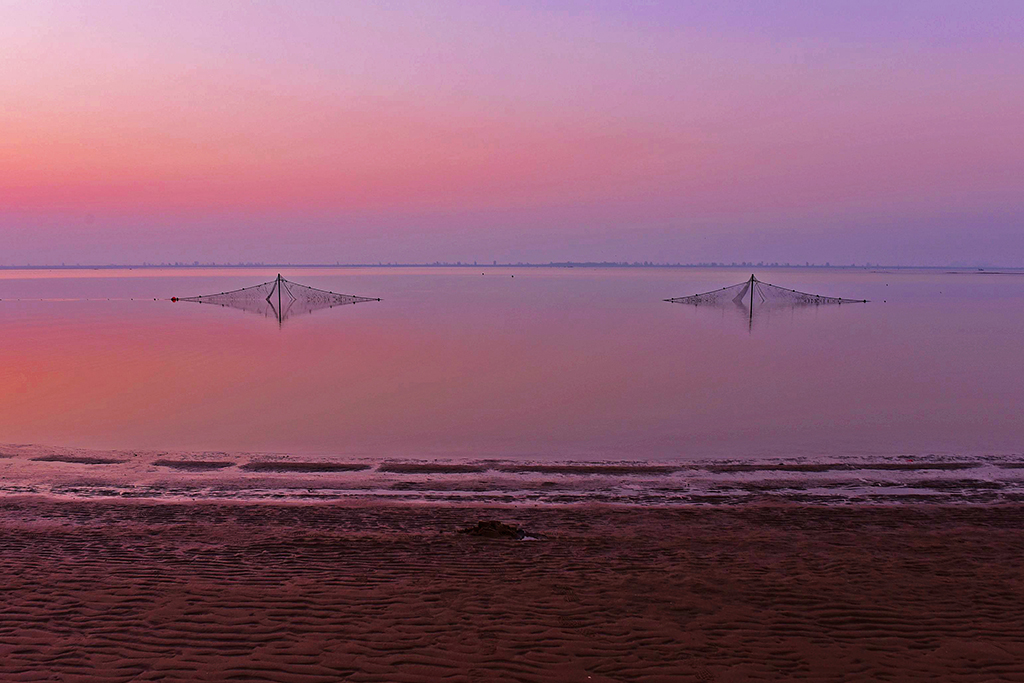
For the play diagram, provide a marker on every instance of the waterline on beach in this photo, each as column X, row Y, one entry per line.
column 180, row 476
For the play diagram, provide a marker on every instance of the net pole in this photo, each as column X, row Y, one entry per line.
column 752, row 281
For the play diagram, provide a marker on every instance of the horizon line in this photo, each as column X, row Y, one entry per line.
column 495, row 264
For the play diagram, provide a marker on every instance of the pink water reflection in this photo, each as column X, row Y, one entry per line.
column 567, row 363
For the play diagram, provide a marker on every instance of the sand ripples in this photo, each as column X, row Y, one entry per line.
column 141, row 592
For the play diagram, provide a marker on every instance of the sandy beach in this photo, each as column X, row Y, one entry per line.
column 138, row 591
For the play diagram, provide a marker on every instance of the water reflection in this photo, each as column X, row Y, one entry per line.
column 554, row 363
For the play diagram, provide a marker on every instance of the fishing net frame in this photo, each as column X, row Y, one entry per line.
column 764, row 293
column 278, row 298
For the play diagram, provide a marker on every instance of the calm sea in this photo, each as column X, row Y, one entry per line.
column 492, row 370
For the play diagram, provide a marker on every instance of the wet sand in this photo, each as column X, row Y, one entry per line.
column 139, row 591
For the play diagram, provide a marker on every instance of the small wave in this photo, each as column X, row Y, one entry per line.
column 194, row 465
column 423, row 468
column 79, row 460
column 611, row 470
column 290, row 466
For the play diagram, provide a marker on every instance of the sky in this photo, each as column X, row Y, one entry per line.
column 364, row 132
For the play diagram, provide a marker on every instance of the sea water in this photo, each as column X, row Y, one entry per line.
column 524, row 380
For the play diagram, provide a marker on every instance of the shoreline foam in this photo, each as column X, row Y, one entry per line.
column 82, row 474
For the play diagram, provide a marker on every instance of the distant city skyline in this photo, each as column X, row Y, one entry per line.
column 523, row 132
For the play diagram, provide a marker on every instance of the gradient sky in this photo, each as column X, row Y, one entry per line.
column 389, row 131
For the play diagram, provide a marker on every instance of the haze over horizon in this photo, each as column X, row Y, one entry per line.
column 586, row 131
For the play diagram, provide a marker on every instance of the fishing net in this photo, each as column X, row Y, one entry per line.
column 278, row 299
column 755, row 293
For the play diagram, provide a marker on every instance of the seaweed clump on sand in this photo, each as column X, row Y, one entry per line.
column 493, row 529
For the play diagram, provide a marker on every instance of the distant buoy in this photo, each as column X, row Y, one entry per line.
column 174, row 298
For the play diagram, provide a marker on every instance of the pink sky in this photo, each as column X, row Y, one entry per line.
column 842, row 132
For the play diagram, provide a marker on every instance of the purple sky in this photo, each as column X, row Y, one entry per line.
column 526, row 131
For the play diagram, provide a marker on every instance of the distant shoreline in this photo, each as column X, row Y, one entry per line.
column 988, row 270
